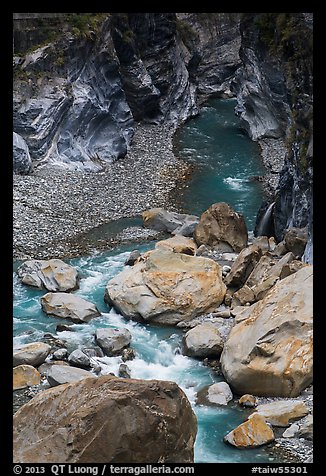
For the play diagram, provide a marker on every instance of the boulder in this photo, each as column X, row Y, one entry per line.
column 60, row 374
column 220, row 224
column 178, row 244
column 78, row 358
column 166, row 288
column 243, row 266
column 216, row 394
column 60, row 354
column 283, row 412
column 112, row 341
column 45, row 367
column 106, row 420
column 243, row 296
column 295, row 240
column 25, row 376
column 262, row 242
column 22, row 162
column 269, row 352
column 124, row 371
column 162, row 220
column 202, row 341
column 33, row 354
column 301, row 429
column 250, row 434
column 69, row 306
column 53, row 275
column 127, row 354
column 248, row 400
column 132, row 258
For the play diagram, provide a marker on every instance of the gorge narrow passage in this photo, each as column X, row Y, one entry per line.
column 224, row 160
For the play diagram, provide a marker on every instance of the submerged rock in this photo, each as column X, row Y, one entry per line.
column 33, row 354
column 221, row 225
column 74, row 423
column 269, row 352
column 53, row 275
column 167, row 287
column 250, row 434
column 69, row 306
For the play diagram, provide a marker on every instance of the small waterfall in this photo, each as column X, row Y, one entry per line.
column 265, row 225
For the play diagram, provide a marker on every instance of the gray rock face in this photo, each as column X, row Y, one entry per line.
column 53, row 275
column 33, row 354
column 22, row 160
column 112, row 341
column 85, row 415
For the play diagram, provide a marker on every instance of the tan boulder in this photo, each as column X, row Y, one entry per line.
column 248, row 400
column 25, row 376
column 283, row 412
column 221, row 225
column 106, row 420
column 52, row 274
column 69, row 306
column 250, row 434
column 33, row 354
column 167, row 287
column 243, row 266
column 269, row 349
column 178, row 244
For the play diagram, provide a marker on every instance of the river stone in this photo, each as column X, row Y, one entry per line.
column 243, row 266
column 167, row 287
column 112, row 341
column 45, row 367
column 202, row 341
column 253, row 432
column 283, row 412
column 269, row 353
column 78, row 358
column 243, row 296
column 69, row 306
column 22, row 163
column 162, row 220
column 124, row 371
column 248, row 400
column 60, row 354
column 106, row 420
column 60, row 374
column 25, row 376
column 306, row 428
column 132, row 258
column 53, row 275
column 127, row 354
column 33, row 354
column 178, row 244
column 221, row 224
column 217, row 394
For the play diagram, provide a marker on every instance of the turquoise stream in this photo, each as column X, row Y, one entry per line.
column 157, row 348
column 225, row 162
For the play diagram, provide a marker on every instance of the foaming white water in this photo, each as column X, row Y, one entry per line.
column 236, row 183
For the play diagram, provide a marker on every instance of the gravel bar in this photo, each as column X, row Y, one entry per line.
column 54, row 205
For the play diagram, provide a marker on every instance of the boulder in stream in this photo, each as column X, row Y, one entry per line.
column 53, row 275
column 69, row 306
